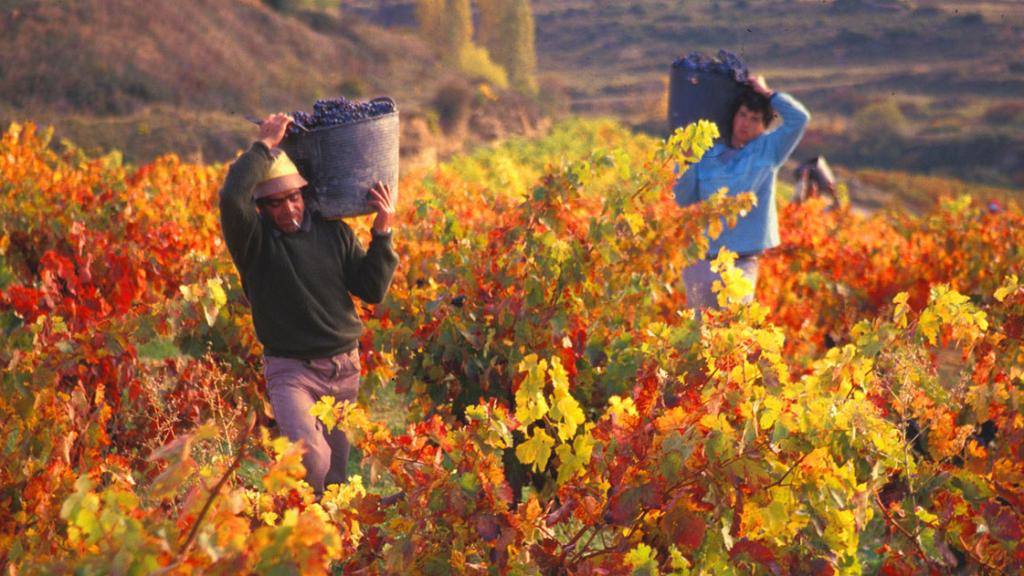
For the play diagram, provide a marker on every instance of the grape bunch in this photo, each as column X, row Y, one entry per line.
column 337, row 111
column 724, row 63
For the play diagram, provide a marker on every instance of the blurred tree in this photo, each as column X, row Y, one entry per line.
column 458, row 28
column 490, row 13
column 448, row 26
column 882, row 119
column 477, row 64
column 522, row 54
column 507, row 31
column 880, row 130
column 429, row 14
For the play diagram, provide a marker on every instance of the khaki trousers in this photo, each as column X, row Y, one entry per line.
column 294, row 386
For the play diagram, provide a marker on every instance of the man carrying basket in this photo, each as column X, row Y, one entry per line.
column 749, row 162
column 299, row 272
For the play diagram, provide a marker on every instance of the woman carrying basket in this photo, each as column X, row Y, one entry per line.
column 749, row 162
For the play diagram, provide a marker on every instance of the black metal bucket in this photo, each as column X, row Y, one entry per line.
column 702, row 95
column 343, row 162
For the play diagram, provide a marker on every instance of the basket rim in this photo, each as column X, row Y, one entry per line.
column 726, row 75
column 319, row 129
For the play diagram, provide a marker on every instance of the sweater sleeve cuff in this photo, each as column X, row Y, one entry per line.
column 386, row 236
column 259, row 145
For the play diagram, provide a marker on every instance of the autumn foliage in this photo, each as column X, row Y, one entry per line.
column 562, row 412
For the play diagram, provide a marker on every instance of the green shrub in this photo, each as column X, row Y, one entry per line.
column 880, row 120
column 453, row 104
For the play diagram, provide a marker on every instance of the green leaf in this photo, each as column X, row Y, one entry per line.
column 643, row 561
column 675, row 450
column 469, row 482
column 159, row 349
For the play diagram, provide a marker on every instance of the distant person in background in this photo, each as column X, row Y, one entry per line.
column 300, row 272
column 748, row 162
column 814, row 178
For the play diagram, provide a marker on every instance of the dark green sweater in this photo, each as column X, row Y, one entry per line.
column 300, row 285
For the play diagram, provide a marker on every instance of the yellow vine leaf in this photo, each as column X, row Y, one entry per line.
column 327, row 411
column 899, row 314
column 734, row 287
column 566, row 410
column 643, row 559
column 688, row 144
column 570, row 415
column 572, row 460
column 777, row 518
column 559, row 377
column 496, row 433
column 679, row 563
column 287, row 468
column 621, row 406
column 531, row 404
column 635, row 221
column 340, row 496
column 356, row 424
column 1010, row 285
column 81, row 510
column 949, row 307
column 771, row 408
column 210, row 296
column 929, row 324
column 536, row 450
column 717, row 422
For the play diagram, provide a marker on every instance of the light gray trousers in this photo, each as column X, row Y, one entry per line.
column 294, row 386
column 698, row 279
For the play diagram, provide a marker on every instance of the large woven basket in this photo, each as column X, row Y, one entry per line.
column 699, row 95
column 343, row 162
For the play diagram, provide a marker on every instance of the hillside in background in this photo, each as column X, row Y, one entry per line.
column 153, row 77
column 924, row 86
column 929, row 86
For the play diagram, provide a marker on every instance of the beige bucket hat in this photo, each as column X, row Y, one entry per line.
column 280, row 177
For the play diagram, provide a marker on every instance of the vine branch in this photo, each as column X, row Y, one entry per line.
column 243, row 439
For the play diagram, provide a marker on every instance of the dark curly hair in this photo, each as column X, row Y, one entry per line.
column 755, row 103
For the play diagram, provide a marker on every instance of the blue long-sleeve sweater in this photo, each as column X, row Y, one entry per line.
column 752, row 168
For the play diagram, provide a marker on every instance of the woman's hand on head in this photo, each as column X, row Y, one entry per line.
column 760, row 85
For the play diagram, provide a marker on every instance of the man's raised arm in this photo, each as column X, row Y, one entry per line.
column 239, row 220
